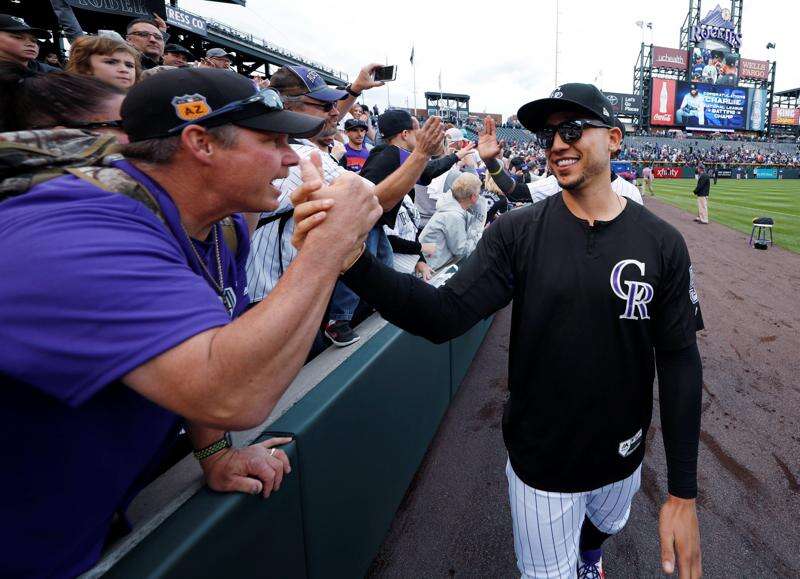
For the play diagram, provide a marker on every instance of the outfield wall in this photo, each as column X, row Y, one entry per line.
column 361, row 417
column 726, row 171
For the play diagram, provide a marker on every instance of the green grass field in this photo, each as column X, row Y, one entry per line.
column 735, row 204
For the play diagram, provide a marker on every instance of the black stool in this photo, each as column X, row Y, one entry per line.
column 761, row 234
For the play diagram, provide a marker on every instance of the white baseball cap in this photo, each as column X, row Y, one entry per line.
column 453, row 135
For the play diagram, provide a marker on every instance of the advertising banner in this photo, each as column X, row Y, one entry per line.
column 757, row 109
column 754, row 69
column 662, row 104
column 709, row 106
column 724, row 173
column 670, row 58
column 190, row 22
column 785, row 116
column 667, row 172
column 624, row 103
column 132, row 8
column 766, row 173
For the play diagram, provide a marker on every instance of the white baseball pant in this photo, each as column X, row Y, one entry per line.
column 547, row 525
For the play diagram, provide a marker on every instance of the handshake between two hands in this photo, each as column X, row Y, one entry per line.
column 338, row 216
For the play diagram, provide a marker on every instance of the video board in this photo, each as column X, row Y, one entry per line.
column 707, row 106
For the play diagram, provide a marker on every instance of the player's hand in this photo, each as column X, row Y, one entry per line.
column 430, row 137
column 254, row 470
column 488, row 146
column 365, row 79
column 679, row 533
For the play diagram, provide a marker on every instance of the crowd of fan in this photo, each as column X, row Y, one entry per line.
column 190, row 150
column 690, row 152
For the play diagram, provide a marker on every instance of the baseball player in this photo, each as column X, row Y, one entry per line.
column 603, row 295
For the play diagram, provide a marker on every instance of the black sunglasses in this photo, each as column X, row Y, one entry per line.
column 264, row 101
column 569, row 131
column 327, row 107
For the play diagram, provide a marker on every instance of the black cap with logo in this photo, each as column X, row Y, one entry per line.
column 10, row 23
column 393, row 122
column 155, row 107
column 575, row 96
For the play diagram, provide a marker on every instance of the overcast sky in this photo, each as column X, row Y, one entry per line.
column 501, row 53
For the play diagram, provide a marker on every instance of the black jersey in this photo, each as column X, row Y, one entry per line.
column 590, row 306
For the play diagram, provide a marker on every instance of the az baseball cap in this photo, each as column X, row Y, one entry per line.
column 217, row 53
column 351, row 124
column 393, row 122
column 10, row 23
column 291, row 79
column 178, row 49
column 161, row 106
column 584, row 98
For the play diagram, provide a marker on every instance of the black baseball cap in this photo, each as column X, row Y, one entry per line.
column 351, row 124
column 575, row 96
column 163, row 102
column 10, row 23
column 393, row 122
column 178, row 49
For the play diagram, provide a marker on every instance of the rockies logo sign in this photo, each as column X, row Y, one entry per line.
column 637, row 294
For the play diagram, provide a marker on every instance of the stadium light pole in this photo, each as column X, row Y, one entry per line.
column 556, row 55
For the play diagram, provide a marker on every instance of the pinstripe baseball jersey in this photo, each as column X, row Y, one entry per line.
column 266, row 264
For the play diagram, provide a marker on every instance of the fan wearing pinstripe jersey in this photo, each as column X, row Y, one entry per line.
column 266, row 263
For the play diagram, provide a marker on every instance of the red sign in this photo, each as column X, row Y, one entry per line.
column 671, row 58
column 784, row 116
column 667, row 172
column 753, row 69
column 662, row 102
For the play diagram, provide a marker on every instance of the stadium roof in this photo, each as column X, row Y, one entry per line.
column 792, row 92
column 447, row 95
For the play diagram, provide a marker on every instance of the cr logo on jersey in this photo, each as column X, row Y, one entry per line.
column 637, row 294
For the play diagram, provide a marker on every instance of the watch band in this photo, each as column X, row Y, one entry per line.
column 214, row 448
column 351, row 92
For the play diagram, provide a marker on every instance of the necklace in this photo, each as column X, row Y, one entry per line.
column 218, row 286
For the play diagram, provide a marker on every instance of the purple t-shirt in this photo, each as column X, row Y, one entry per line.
column 356, row 157
column 95, row 285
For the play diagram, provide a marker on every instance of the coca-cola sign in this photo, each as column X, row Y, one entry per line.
column 667, row 172
column 670, row 58
column 662, row 102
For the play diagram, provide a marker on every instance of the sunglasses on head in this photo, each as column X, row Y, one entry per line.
column 264, row 101
column 569, row 131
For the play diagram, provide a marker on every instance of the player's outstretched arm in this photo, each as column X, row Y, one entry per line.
column 680, row 378
column 483, row 284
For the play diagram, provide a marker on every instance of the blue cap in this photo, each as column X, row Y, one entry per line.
column 316, row 85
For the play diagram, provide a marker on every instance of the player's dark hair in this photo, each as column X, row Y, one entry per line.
column 30, row 100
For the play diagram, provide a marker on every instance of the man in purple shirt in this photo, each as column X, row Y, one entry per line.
column 122, row 319
column 356, row 149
